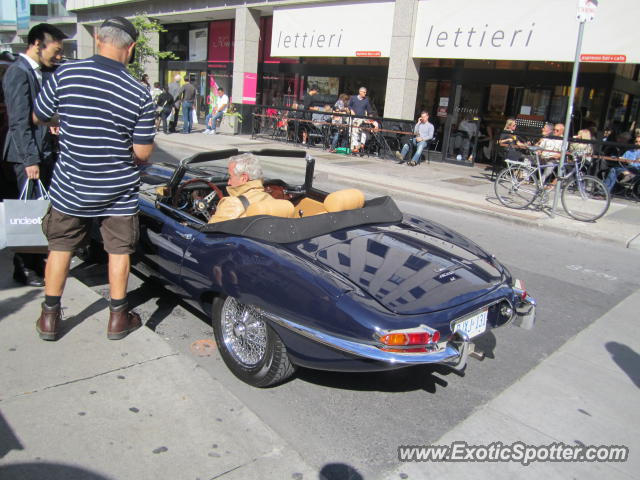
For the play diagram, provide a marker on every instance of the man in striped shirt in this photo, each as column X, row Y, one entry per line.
column 106, row 131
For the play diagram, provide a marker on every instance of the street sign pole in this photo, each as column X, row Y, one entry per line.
column 567, row 122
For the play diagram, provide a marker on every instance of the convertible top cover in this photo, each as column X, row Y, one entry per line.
column 287, row 230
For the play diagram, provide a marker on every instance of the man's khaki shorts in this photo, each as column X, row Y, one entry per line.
column 66, row 233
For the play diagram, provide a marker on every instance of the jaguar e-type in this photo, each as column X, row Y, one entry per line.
column 332, row 281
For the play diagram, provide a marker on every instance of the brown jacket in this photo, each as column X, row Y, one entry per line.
column 231, row 207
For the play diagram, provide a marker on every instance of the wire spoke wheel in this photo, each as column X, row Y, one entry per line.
column 586, row 198
column 244, row 332
column 251, row 349
column 516, row 187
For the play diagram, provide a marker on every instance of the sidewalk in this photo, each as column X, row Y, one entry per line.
column 448, row 185
column 586, row 393
column 87, row 408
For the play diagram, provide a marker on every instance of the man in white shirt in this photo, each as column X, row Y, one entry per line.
column 217, row 111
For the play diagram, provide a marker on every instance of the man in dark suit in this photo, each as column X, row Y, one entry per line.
column 28, row 147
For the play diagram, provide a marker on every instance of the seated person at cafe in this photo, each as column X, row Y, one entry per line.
column 462, row 139
column 294, row 125
column 423, row 132
column 510, row 142
column 245, row 180
column 308, row 101
column 632, row 168
column 339, row 130
column 551, row 147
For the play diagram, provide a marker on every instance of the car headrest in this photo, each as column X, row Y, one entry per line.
column 273, row 207
column 348, row 199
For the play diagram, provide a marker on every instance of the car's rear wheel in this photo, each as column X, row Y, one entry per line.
column 248, row 345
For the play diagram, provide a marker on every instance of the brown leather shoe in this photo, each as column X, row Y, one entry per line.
column 122, row 322
column 47, row 324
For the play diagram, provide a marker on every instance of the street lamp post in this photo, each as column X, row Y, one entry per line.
column 567, row 122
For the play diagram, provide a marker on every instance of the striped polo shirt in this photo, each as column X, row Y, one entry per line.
column 103, row 111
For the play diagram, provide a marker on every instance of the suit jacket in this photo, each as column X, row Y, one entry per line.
column 25, row 143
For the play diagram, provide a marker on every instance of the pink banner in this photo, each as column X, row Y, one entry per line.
column 250, row 85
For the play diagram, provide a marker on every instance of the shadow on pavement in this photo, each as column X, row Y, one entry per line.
column 8, row 440
column 627, row 360
column 70, row 323
column 47, row 471
column 421, row 377
column 339, row 471
column 13, row 304
column 166, row 302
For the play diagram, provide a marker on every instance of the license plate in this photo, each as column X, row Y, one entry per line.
column 473, row 326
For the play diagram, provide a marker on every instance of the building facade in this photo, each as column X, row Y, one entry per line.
column 18, row 16
column 490, row 60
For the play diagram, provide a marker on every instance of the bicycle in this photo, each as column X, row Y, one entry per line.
column 584, row 197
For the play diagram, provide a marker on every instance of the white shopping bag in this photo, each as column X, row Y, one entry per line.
column 22, row 220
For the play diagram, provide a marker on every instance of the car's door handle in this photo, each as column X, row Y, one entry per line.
column 186, row 236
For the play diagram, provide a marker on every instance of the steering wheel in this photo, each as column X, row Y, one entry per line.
column 202, row 206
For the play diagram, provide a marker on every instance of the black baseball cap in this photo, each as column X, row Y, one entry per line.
column 122, row 24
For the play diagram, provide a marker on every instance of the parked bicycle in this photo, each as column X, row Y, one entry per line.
column 520, row 184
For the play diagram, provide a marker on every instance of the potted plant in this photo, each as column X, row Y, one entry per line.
column 231, row 121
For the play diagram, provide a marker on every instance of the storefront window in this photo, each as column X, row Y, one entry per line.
column 277, row 89
column 57, row 8
column 483, row 64
column 552, row 66
column 176, row 40
column 510, row 65
column 437, row 62
column 535, row 101
column 326, row 85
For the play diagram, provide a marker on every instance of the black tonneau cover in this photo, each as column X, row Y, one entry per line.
column 286, row 230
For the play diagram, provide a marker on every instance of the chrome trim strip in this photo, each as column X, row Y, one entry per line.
column 449, row 354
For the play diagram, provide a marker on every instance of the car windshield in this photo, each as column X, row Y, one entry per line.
column 290, row 170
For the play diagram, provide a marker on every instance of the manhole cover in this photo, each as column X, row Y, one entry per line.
column 469, row 182
column 203, row 348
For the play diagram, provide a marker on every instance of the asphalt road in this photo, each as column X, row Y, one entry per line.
column 359, row 420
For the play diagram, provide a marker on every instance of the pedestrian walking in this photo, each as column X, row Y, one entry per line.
column 187, row 96
column 28, row 149
column 174, row 88
column 106, row 132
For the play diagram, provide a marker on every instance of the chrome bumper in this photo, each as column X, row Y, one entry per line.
column 453, row 353
column 525, row 314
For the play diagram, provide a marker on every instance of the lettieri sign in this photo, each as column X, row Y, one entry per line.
column 524, row 30
column 333, row 30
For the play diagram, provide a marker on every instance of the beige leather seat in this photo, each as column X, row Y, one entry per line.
column 340, row 200
column 273, row 207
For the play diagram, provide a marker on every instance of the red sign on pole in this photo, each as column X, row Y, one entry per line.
column 585, row 57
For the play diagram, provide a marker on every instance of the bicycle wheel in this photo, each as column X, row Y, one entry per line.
column 585, row 199
column 516, row 187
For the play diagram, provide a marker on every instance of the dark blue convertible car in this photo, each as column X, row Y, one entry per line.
column 333, row 286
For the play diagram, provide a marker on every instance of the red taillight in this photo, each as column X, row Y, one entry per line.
column 396, row 339
column 419, row 338
column 519, row 289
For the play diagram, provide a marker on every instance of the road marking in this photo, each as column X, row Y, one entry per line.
column 589, row 271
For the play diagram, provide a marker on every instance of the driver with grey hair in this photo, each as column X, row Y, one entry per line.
column 245, row 187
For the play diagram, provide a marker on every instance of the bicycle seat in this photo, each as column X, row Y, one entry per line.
column 534, row 148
